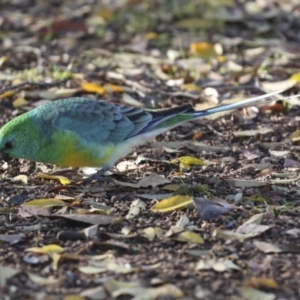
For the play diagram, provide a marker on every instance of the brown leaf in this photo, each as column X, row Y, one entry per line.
column 94, row 219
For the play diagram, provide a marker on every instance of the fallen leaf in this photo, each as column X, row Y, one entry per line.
column 91, row 87
column 172, row 203
column 91, row 231
column 217, row 264
column 149, row 233
column 11, row 238
column 63, row 180
column 204, row 50
column 261, row 283
column 23, row 178
column 152, row 180
column 91, row 270
column 42, row 280
column 73, row 297
column 135, row 208
column 185, row 162
column 94, row 219
column 28, row 212
column 154, row 196
column 5, row 274
column 189, row 236
column 17, row 200
column 44, row 203
column 47, row 249
column 247, row 133
column 207, row 210
column 97, row 293
column 295, row 136
column 241, row 183
column 249, row 293
column 183, row 221
column 266, row 247
column 279, row 153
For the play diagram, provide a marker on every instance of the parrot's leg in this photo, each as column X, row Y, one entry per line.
column 98, row 176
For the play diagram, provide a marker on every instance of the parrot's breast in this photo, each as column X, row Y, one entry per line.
column 70, row 150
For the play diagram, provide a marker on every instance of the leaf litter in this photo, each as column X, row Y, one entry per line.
column 220, row 53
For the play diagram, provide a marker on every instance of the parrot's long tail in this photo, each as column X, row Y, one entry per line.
column 165, row 119
column 241, row 104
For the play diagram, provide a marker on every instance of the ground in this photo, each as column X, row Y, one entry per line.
column 229, row 228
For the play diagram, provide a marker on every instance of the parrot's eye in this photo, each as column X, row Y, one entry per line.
column 8, row 145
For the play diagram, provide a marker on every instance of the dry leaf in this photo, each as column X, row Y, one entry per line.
column 249, row 293
column 44, row 203
column 241, row 183
column 261, row 283
column 63, row 180
column 247, row 133
column 185, row 162
column 267, row 247
column 91, row 87
column 42, row 280
column 135, row 208
column 172, row 203
column 94, row 219
column 189, row 236
column 48, row 249
column 218, row 265
column 209, row 211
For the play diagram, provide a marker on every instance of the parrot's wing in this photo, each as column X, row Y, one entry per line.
column 102, row 122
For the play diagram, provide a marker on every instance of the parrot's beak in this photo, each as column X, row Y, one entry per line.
column 5, row 156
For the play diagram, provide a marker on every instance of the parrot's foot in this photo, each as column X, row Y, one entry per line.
column 98, row 176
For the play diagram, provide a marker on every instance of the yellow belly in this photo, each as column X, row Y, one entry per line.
column 69, row 150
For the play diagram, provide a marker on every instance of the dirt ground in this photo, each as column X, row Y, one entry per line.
column 230, row 226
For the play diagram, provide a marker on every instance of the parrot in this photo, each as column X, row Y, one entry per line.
column 84, row 132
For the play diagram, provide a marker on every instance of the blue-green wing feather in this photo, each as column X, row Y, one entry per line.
column 100, row 121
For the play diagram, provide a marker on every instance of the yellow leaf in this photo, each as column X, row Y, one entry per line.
column 189, row 236
column 3, row 59
column 63, row 180
column 295, row 136
column 151, row 35
column 189, row 160
column 20, row 101
column 73, row 297
column 91, row 87
column 172, row 203
column 149, row 233
column 259, row 199
column 221, row 58
column 261, row 282
column 113, row 88
column 204, row 50
column 6, row 94
column 48, row 249
column 191, row 87
column 105, row 13
column 50, row 202
column 295, row 77
column 171, row 187
column 55, row 257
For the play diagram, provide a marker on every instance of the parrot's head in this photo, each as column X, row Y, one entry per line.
column 17, row 139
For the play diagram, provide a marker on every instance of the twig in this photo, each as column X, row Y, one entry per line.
column 40, row 85
column 210, row 128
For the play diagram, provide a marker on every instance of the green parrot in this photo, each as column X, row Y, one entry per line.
column 82, row 132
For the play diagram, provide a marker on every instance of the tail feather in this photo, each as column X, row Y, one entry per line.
column 165, row 119
column 240, row 104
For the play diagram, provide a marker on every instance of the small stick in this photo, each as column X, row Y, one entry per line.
column 40, row 85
